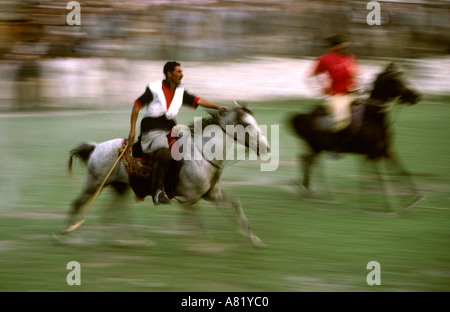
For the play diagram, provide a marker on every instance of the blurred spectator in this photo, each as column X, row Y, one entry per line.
column 227, row 28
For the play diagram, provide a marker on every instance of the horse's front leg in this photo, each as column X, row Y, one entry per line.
column 306, row 162
column 402, row 182
column 224, row 201
column 373, row 188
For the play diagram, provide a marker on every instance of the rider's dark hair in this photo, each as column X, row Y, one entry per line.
column 169, row 67
column 335, row 40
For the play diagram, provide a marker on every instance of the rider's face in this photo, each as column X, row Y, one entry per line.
column 176, row 76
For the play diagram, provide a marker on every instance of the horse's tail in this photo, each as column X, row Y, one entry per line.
column 300, row 123
column 83, row 152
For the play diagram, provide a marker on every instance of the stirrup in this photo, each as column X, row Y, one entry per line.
column 160, row 198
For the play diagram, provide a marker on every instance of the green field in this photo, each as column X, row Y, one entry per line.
column 312, row 245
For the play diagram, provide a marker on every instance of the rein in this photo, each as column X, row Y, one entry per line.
column 220, row 167
column 384, row 105
column 210, row 161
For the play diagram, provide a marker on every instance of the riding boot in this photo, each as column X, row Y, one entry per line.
column 162, row 161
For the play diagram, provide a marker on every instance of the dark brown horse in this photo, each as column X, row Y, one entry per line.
column 369, row 133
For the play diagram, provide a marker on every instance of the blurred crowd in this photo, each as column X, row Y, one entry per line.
column 200, row 30
column 154, row 29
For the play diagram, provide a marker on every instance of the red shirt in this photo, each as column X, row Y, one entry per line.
column 168, row 94
column 341, row 69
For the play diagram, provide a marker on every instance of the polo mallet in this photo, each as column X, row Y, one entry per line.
column 91, row 201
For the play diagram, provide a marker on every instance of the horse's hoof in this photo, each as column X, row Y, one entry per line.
column 73, row 227
column 305, row 192
column 257, row 242
column 260, row 245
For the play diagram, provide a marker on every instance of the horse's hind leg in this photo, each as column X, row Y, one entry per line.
column 86, row 194
column 116, row 220
column 116, row 211
column 306, row 162
column 77, row 204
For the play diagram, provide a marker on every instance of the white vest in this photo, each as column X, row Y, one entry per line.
column 158, row 106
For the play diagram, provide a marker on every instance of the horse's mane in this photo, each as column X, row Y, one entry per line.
column 218, row 115
column 391, row 71
column 384, row 80
column 213, row 120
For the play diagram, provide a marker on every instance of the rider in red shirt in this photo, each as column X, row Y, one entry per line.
column 341, row 69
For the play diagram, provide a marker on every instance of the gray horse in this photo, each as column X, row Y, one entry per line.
column 200, row 166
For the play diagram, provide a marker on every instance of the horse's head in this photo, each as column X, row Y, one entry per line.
column 389, row 85
column 240, row 123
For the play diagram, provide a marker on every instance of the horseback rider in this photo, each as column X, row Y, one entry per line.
column 163, row 100
column 341, row 68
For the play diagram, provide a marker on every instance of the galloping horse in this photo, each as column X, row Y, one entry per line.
column 195, row 177
column 369, row 133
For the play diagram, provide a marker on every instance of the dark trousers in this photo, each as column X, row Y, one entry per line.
column 162, row 161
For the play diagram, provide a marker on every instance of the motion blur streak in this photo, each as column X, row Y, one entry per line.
column 64, row 84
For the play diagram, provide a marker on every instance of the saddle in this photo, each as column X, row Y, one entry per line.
column 139, row 167
column 358, row 110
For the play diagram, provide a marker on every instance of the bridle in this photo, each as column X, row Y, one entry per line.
column 220, row 167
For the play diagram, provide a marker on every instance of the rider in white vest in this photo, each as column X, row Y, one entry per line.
column 163, row 100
